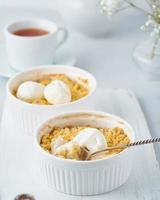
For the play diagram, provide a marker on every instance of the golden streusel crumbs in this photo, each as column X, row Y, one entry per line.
column 113, row 136
column 79, row 88
column 75, row 153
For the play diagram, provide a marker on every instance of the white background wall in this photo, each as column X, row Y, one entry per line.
column 51, row 4
column 29, row 3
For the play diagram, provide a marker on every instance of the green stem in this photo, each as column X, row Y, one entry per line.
column 149, row 2
column 155, row 46
column 135, row 6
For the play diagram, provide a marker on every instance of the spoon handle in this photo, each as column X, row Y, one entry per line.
column 141, row 142
column 148, row 141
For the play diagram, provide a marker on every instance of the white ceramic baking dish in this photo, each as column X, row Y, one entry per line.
column 84, row 177
column 24, row 117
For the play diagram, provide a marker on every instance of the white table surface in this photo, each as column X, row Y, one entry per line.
column 17, row 163
column 110, row 60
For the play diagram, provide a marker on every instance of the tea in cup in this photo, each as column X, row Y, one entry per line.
column 33, row 42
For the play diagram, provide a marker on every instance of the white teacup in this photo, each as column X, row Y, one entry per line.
column 28, row 51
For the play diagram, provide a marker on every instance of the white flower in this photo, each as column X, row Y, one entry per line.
column 151, row 26
column 143, row 28
column 110, row 7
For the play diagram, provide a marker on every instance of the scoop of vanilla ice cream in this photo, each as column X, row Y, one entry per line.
column 30, row 90
column 57, row 92
column 57, row 143
column 91, row 138
column 67, row 146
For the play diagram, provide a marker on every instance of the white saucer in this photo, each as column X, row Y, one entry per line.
column 63, row 56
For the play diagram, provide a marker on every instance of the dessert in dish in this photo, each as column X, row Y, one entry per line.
column 70, row 142
column 39, row 93
column 61, row 161
column 52, row 89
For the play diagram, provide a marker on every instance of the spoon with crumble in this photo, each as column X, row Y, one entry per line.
column 89, row 155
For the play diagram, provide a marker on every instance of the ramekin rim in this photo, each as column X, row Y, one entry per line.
column 52, row 157
column 50, row 106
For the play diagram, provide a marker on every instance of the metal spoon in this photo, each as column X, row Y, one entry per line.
column 121, row 146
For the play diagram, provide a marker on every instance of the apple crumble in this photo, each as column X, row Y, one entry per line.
column 63, row 137
column 52, row 89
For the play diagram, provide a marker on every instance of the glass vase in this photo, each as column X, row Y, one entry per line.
column 147, row 57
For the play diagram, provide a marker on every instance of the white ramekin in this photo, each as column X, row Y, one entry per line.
column 84, row 177
column 24, row 117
